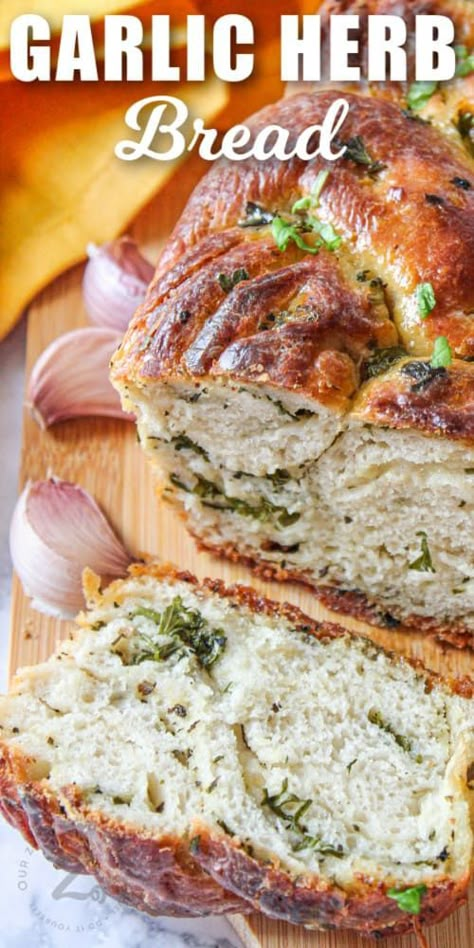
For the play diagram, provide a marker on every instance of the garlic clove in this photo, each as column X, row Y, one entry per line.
column 71, row 378
column 57, row 529
column 115, row 282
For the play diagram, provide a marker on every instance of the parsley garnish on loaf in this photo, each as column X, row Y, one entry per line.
column 184, row 630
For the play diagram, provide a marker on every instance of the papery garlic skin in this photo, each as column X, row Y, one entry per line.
column 57, row 530
column 71, row 378
column 115, row 282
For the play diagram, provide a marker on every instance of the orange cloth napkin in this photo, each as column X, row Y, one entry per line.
column 61, row 185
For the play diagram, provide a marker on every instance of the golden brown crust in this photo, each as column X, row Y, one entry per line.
column 201, row 330
column 161, row 877
column 411, row 223
column 154, row 875
column 408, row 224
column 414, row 395
column 366, row 909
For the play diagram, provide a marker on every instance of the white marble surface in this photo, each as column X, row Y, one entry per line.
column 40, row 906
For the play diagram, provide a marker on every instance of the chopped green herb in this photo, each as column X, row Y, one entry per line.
column 186, row 630
column 408, row 900
column 423, row 563
column 178, row 483
column 151, row 614
column 284, row 231
column 465, row 61
column 312, row 199
column 256, row 216
column 262, row 511
column 442, row 353
column 290, row 809
column 330, row 238
column 302, row 204
column 287, row 806
column 376, row 718
column 318, row 845
column 299, row 413
column 202, row 487
column 357, row 152
column 350, row 766
column 383, row 359
column 205, row 488
column 287, row 519
column 183, row 443
column 420, row 93
column 227, row 282
column 279, row 477
column 425, row 298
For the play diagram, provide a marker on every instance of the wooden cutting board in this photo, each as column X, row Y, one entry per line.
column 103, row 456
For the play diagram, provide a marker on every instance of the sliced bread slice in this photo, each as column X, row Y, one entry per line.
column 204, row 750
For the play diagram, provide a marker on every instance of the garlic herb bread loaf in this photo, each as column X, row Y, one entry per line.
column 302, row 368
column 203, row 750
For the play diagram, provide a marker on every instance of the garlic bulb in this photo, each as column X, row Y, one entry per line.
column 56, row 531
column 71, row 378
column 115, row 282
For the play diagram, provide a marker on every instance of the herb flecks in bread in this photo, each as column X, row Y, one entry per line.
column 344, row 357
column 223, row 753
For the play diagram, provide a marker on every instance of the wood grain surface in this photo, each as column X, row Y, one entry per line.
column 104, row 457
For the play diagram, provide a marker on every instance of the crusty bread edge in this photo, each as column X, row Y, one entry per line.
column 248, row 597
column 161, row 875
column 154, row 875
column 347, row 602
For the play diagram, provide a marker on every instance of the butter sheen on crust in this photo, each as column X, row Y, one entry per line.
column 331, row 350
